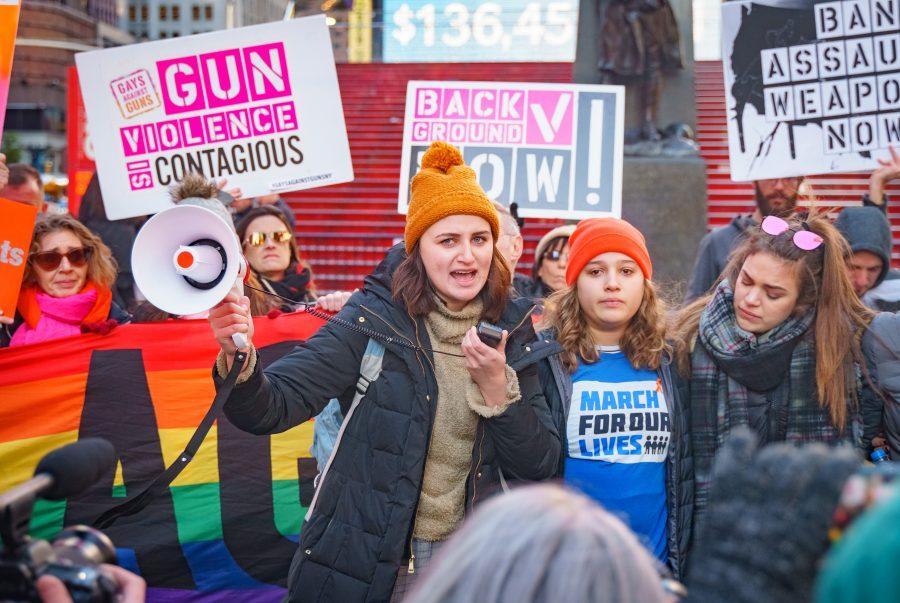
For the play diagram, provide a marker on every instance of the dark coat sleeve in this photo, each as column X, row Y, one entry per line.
column 881, row 347
column 704, row 273
column 298, row 386
column 525, row 437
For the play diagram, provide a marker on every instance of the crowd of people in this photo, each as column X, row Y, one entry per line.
column 697, row 450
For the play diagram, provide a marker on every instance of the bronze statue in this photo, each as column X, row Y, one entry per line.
column 639, row 39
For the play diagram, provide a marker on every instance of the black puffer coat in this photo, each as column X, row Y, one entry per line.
column 359, row 533
column 679, row 466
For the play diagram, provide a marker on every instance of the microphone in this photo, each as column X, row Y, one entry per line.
column 64, row 472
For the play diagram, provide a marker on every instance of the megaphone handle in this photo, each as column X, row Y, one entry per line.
column 240, row 340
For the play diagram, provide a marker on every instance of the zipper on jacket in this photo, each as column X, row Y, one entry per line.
column 668, row 391
column 477, row 464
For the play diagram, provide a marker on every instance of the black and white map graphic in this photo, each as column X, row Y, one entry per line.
column 810, row 87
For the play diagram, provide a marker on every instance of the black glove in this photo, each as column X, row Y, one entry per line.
column 766, row 527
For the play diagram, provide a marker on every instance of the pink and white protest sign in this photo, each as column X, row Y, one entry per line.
column 555, row 149
column 258, row 106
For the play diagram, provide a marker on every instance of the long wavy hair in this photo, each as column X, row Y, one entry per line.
column 101, row 265
column 841, row 318
column 643, row 343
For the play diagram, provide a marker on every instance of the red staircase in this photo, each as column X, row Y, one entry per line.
column 344, row 230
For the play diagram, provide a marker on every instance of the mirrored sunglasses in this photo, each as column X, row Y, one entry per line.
column 258, row 239
column 50, row 260
column 804, row 239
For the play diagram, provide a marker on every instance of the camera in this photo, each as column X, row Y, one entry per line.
column 74, row 556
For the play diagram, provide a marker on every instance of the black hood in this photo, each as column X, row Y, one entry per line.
column 867, row 229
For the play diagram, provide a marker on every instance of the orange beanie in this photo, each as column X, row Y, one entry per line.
column 601, row 235
column 445, row 186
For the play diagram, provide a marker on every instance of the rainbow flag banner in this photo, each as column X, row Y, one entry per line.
column 228, row 526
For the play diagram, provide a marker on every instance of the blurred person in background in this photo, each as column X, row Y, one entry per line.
column 24, row 185
column 551, row 256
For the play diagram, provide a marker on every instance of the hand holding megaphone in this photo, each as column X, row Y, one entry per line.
column 231, row 317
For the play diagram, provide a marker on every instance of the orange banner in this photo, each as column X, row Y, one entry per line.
column 16, row 228
column 9, row 23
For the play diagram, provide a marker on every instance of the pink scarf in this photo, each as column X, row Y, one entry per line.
column 60, row 317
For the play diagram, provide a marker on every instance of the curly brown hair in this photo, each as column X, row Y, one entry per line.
column 101, row 264
column 825, row 288
column 643, row 343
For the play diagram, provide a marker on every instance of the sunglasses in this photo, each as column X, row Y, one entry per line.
column 555, row 255
column 258, row 239
column 804, row 239
column 50, row 260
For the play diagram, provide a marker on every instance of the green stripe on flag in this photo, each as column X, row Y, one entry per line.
column 47, row 518
column 198, row 512
column 289, row 513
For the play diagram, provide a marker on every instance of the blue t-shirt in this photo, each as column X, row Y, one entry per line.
column 618, row 437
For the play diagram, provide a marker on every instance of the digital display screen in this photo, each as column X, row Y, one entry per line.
column 477, row 31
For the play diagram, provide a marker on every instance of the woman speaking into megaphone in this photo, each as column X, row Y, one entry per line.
column 440, row 418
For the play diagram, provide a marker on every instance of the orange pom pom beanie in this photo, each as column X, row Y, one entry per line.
column 601, row 235
column 445, row 186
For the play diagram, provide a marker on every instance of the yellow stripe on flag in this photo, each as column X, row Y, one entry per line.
column 204, row 468
column 287, row 447
column 20, row 457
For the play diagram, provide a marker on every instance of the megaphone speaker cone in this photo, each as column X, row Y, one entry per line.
column 165, row 253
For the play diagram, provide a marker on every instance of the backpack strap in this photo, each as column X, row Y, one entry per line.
column 369, row 371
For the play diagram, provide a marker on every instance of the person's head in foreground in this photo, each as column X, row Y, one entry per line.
column 541, row 544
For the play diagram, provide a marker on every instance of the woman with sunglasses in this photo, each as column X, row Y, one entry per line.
column 447, row 420
column 272, row 253
column 611, row 392
column 67, row 285
column 776, row 346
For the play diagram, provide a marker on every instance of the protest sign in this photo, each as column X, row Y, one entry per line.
column 9, row 23
column 16, row 229
column 227, row 527
column 80, row 149
column 259, row 106
column 555, row 149
column 810, row 88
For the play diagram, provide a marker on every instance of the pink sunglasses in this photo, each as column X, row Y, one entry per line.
column 804, row 239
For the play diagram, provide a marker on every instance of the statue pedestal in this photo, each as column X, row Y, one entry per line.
column 665, row 198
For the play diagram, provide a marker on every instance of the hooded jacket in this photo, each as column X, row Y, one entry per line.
column 867, row 229
column 881, row 347
column 557, row 382
column 358, row 535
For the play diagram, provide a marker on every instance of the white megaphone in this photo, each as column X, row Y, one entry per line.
column 187, row 258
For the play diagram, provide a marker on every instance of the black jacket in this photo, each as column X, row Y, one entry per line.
column 359, row 533
column 557, row 384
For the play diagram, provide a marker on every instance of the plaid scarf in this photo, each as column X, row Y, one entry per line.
column 729, row 362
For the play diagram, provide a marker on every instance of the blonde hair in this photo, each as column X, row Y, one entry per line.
column 643, row 343
column 101, row 264
column 841, row 318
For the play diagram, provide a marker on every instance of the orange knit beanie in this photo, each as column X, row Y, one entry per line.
column 601, row 235
column 445, row 186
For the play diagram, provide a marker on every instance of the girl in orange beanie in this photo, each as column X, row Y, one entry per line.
column 446, row 419
column 611, row 391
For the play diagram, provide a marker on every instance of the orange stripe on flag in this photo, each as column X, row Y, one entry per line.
column 181, row 398
column 39, row 408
